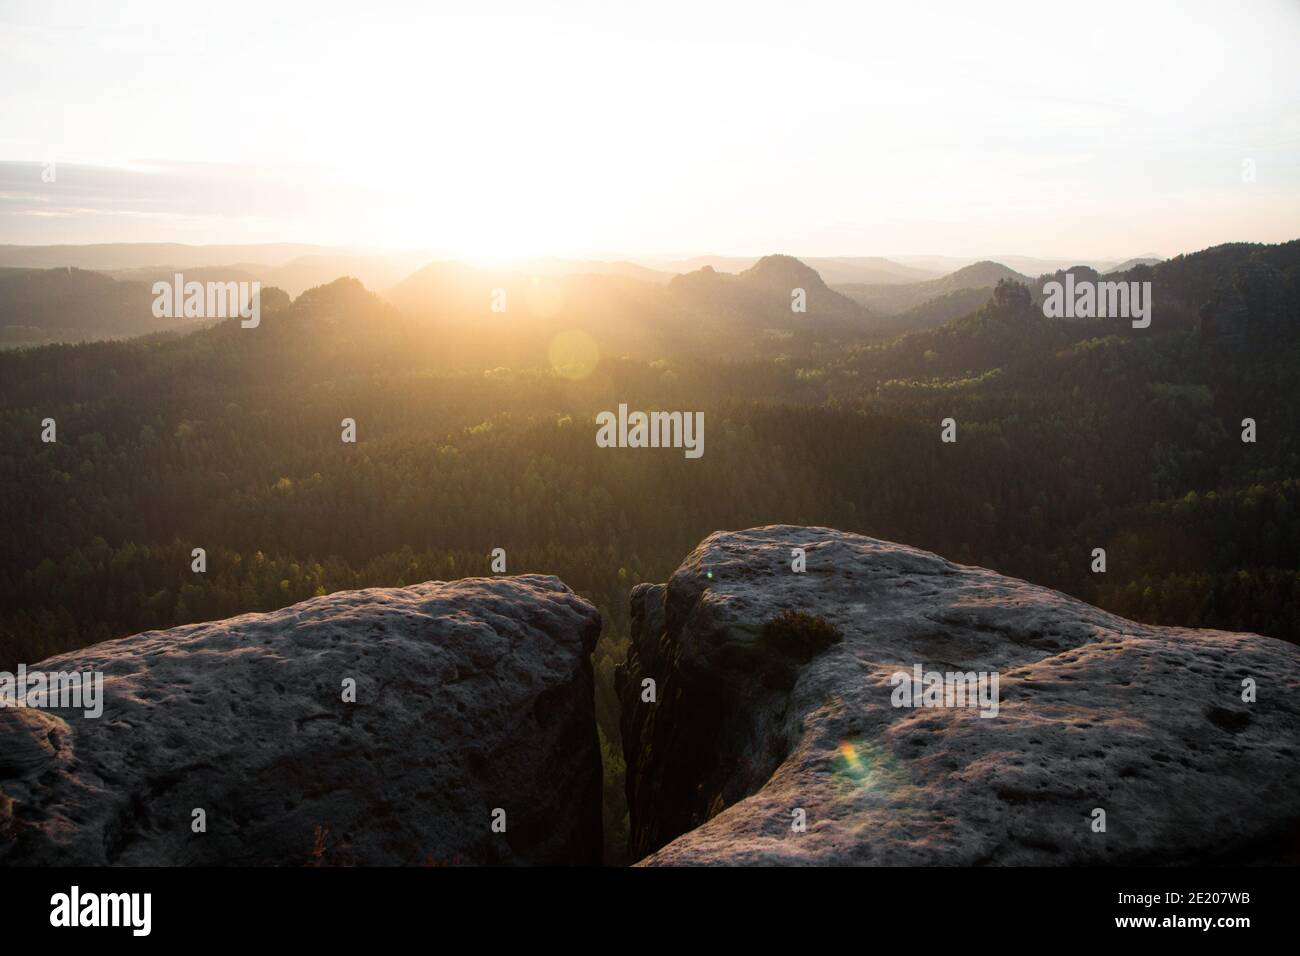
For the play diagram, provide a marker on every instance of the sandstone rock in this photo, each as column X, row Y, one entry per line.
column 471, row 695
column 1146, row 723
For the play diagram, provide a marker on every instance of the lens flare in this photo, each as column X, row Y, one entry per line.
column 573, row 354
column 864, row 764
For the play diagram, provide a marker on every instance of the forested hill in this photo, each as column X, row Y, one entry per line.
column 1070, row 436
column 45, row 306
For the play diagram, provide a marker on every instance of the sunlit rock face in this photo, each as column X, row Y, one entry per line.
column 471, row 697
column 761, row 748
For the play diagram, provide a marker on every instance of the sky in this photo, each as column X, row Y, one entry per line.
column 612, row 129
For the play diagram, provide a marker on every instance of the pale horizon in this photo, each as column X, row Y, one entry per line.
column 649, row 259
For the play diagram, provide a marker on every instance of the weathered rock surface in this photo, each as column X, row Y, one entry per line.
column 1146, row 723
column 470, row 695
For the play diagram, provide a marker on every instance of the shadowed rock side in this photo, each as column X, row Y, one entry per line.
column 470, row 695
column 1147, row 723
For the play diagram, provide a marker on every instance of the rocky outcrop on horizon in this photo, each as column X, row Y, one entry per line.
column 762, row 296
column 774, row 706
column 470, row 696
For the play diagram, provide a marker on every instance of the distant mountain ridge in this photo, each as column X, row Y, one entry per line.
column 627, row 308
column 135, row 255
column 1027, row 265
column 45, row 306
column 486, row 312
column 832, row 269
column 293, row 267
column 71, row 305
column 896, row 300
column 764, row 295
column 1128, row 264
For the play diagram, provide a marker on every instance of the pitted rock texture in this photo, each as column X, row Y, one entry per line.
column 471, row 695
column 1146, row 723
